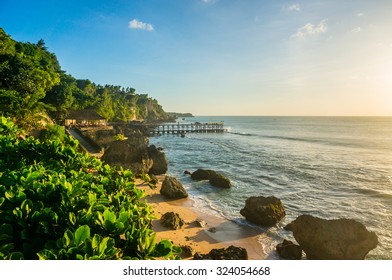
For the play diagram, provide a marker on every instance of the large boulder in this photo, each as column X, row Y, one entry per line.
column 341, row 239
column 264, row 211
column 172, row 220
column 218, row 180
column 160, row 163
column 172, row 188
column 230, row 253
column 129, row 154
column 289, row 250
column 202, row 174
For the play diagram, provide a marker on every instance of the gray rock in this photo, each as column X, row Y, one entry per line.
column 289, row 250
column 218, row 180
column 341, row 239
column 230, row 253
column 202, row 174
column 187, row 251
column 172, row 188
column 159, row 160
column 129, row 154
column 172, row 220
column 200, row 223
column 264, row 211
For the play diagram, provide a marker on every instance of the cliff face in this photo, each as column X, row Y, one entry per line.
column 148, row 109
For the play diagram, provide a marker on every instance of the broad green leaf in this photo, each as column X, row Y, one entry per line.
column 72, row 218
column 119, row 226
column 163, row 248
column 72, row 251
column 92, row 198
column 100, row 218
column 9, row 195
column 81, row 234
column 109, row 216
column 20, row 196
column 32, row 177
column 26, row 206
column 68, row 185
column 151, row 243
column 103, row 245
column 16, row 256
column 96, row 241
column 7, row 247
column 18, row 213
column 123, row 217
column 68, row 238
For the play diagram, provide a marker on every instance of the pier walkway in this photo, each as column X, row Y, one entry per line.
column 182, row 128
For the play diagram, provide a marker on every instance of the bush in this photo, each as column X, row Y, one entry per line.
column 53, row 131
column 119, row 137
column 57, row 203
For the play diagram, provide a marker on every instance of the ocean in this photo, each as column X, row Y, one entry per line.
column 329, row 167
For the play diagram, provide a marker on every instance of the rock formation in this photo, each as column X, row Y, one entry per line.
column 289, row 250
column 187, row 251
column 202, row 174
column 172, row 188
column 333, row 239
column 172, row 220
column 134, row 153
column 230, row 253
column 159, row 160
column 131, row 154
column 264, row 211
column 216, row 179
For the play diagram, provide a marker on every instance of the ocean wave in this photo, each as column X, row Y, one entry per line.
column 374, row 193
column 241, row 133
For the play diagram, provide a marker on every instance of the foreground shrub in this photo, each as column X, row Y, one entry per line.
column 57, row 203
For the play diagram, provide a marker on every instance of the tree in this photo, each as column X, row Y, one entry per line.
column 41, row 44
column 26, row 74
column 105, row 106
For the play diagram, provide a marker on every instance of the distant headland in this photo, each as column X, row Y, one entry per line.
column 180, row 115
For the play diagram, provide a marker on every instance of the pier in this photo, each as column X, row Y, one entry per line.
column 182, row 128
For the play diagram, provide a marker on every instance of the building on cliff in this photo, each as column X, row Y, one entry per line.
column 88, row 117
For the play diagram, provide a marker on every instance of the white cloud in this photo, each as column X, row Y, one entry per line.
column 136, row 24
column 360, row 14
column 356, row 30
column 311, row 29
column 294, row 7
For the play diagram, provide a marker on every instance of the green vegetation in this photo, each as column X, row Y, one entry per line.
column 180, row 115
column 119, row 137
column 32, row 85
column 57, row 203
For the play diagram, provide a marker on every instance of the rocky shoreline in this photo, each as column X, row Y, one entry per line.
column 317, row 238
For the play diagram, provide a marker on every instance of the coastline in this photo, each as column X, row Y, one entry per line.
column 218, row 233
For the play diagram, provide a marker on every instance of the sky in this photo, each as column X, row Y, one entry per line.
column 223, row 57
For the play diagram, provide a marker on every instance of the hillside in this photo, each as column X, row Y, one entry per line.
column 33, row 86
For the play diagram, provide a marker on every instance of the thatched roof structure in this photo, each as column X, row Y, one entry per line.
column 87, row 115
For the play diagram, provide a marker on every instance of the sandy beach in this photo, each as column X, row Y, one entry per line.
column 218, row 233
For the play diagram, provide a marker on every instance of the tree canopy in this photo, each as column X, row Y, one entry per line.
column 32, row 85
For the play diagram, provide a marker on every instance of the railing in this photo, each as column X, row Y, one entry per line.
column 182, row 128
